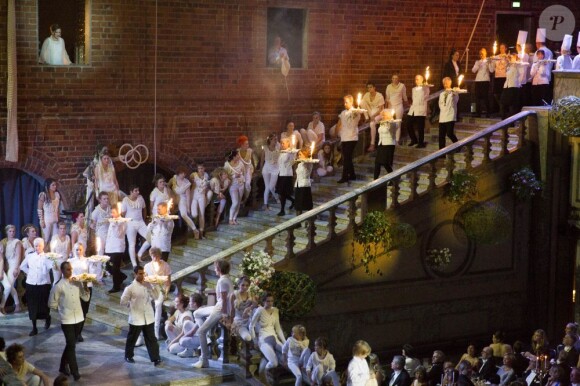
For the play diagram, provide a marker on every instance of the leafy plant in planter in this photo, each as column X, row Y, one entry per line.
column 524, row 184
column 565, row 116
column 484, row 223
column 438, row 258
column 462, row 187
column 294, row 293
column 375, row 237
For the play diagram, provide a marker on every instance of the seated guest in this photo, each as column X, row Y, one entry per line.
column 530, row 375
column 325, row 160
column 400, row 376
column 557, row 376
column 375, row 366
column 321, row 366
column 411, row 363
column 506, row 372
column 486, row 368
column 464, row 368
column 567, row 346
column 449, row 374
column 174, row 325
column 469, row 356
column 572, row 328
column 25, row 372
column 420, row 377
column 521, row 362
column 575, row 377
column 434, row 375
column 497, row 346
column 540, row 343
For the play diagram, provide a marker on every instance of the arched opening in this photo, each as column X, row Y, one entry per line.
column 18, row 198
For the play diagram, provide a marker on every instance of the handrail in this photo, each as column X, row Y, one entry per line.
column 394, row 178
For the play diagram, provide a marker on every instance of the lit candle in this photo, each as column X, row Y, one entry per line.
column 52, row 245
column 293, row 141
column 311, row 150
column 119, row 208
column 98, row 242
column 459, row 80
column 169, row 205
column 358, row 99
column 393, row 113
column 494, row 48
column 427, row 75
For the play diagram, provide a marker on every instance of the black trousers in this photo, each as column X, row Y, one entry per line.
column 417, row 122
column 446, row 129
column 150, row 341
column 69, row 355
column 85, row 307
column 482, row 96
column 347, row 163
column 540, row 93
column 165, row 256
column 385, row 155
column 115, row 269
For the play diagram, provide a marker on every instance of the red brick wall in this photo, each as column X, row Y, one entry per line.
column 212, row 83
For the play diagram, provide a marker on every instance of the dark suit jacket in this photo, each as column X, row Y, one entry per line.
column 449, row 71
column 434, row 375
column 463, row 380
column 404, row 379
column 488, row 370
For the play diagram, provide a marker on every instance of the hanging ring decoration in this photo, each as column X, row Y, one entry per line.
column 133, row 157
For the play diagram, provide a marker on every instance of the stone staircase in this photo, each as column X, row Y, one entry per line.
column 105, row 307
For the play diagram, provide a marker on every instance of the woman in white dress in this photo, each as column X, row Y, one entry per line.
column 159, row 194
column 200, row 187
column 174, row 325
column 180, row 185
column 270, row 337
column 60, row 244
column 48, row 209
column 325, row 160
column 79, row 230
column 219, row 184
column 237, row 172
column 106, row 178
column 269, row 163
column 294, row 136
column 11, row 255
column 53, row 50
column 241, row 306
column 133, row 206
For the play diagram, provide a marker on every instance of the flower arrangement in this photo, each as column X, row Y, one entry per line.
column 259, row 267
column 462, row 187
column 565, row 116
column 375, row 236
column 438, row 258
column 524, row 184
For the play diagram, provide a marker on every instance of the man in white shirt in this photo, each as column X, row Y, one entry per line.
column 208, row 317
column 373, row 102
column 138, row 297
column 100, row 220
column 158, row 267
column 65, row 297
column 160, row 230
column 347, row 130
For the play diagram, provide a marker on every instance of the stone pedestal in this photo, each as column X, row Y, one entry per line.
column 566, row 83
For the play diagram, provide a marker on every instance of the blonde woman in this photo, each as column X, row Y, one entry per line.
column 60, row 244
column 106, row 178
column 48, row 209
column 10, row 260
column 78, row 230
column 241, row 306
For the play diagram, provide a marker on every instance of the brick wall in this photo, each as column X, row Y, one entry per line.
column 212, row 83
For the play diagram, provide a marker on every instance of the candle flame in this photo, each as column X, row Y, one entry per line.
column 169, row 205
column 98, row 242
column 459, row 80
column 358, row 99
column 156, row 267
column 494, row 47
column 393, row 113
column 293, row 141
column 311, row 150
column 427, row 73
column 52, row 245
column 119, row 208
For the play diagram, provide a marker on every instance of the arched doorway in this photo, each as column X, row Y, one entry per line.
column 18, row 198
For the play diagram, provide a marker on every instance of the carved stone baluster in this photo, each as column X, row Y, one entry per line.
column 414, row 183
column 269, row 248
column 522, row 124
column 311, row 232
column 450, row 161
column 504, row 141
column 395, row 192
column 223, row 344
column 432, row 175
column 352, row 213
column 332, row 223
column 290, row 238
column 486, row 149
column 468, row 156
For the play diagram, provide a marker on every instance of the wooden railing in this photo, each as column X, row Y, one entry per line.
column 351, row 208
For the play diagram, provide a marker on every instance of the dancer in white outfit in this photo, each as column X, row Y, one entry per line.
column 158, row 267
column 189, row 341
column 100, row 221
column 181, row 186
column 247, row 158
column 325, row 160
column 270, row 336
column 321, row 366
column 53, row 50
column 79, row 231
column 315, row 132
column 237, row 172
column 106, row 178
column 219, row 185
column 296, row 353
column 48, row 209
column 133, row 206
column 293, row 135
column 241, row 306
column 201, row 197
column 10, row 254
column 174, row 324
column 373, row 102
column 358, row 369
column 28, row 241
column 159, row 194
column 396, row 96
column 269, row 164
column 60, row 244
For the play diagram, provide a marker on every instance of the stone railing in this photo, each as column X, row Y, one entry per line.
column 341, row 214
